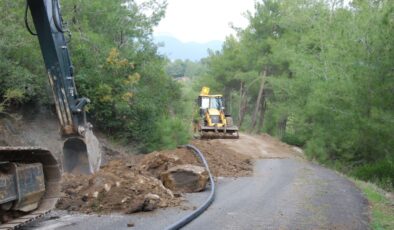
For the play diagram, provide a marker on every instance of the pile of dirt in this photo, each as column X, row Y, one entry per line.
column 132, row 183
column 224, row 161
column 155, row 163
column 117, row 187
column 128, row 182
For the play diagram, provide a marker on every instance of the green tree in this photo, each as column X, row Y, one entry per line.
column 317, row 74
column 116, row 65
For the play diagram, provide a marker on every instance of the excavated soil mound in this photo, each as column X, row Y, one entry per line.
column 117, row 187
column 224, row 161
column 155, row 163
column 132, row 183
column 127, row 183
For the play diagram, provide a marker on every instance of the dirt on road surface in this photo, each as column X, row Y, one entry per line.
column 131, row 183
column 260, row 147
column 124, row 183
column 284, row 191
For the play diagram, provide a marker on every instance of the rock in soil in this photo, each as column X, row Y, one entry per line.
column 222, row 161
column 185, row 178
column 115, row 188
column 132, row 182
column 123, row 183
column 156, row 162
column 151, row 202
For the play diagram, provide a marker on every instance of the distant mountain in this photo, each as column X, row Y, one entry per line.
column 176, row 49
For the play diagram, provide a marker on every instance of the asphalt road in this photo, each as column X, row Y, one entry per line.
column 286, row 194
column 282, row 194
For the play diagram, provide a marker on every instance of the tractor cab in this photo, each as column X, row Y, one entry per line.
column 210, row 102
column 213, row 117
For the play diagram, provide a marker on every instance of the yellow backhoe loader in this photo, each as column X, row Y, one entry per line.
column 214, row 122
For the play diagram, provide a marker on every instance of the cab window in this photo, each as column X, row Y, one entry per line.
column 204, row 102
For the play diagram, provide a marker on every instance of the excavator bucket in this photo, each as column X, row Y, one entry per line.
column 82, row 154
column 30, row 184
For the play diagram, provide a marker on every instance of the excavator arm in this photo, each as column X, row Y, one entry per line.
column 49, row 30
column 80, row 151
column 30, row 176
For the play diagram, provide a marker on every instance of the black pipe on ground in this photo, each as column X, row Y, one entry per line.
column 187, row 219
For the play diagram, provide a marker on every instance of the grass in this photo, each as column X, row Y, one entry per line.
column 382, row 206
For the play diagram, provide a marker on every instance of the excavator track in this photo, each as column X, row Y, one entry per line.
column 23, row 220
column 28, row 162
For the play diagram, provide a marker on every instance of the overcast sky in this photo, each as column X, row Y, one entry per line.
column 203, row 20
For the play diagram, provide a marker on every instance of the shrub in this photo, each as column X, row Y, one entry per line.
column 170, row 133
column 381, row 173
column 293, row 139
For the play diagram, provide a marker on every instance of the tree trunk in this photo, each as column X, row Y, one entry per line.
column 282, row 126
column 262, row 115
column 243, row 109
column 242, row 104
column 258, row 102
column 240, row 101
column 227, row 100
column 121, row 39
column 74, row 17
column 230, row 104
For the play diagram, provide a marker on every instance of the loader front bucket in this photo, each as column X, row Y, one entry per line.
column 212, row 132
column 82, row 154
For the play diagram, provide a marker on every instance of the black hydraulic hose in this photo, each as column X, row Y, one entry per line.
column 55, row 15
column 187, row 219
column 26, row 22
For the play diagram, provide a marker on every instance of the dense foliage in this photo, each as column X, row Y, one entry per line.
column 116, row 63
column 180, row 68
column 317, row 74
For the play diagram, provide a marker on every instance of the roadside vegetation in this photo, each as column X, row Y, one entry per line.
column 116, row 65
column 319, row 75
column 381, row 203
